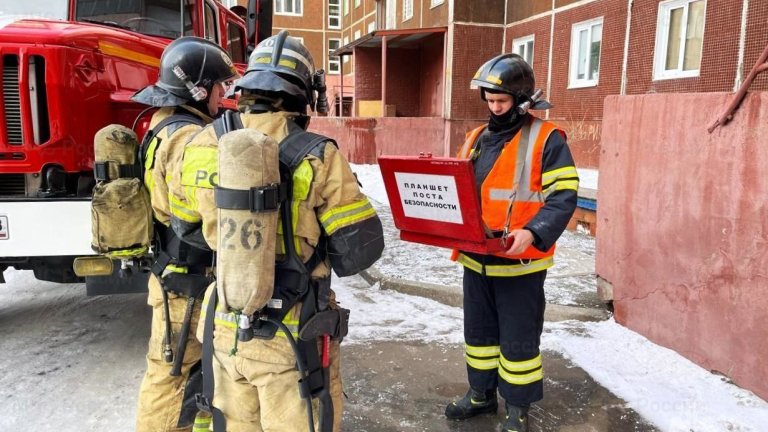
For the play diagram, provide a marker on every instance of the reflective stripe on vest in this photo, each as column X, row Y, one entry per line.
column 505, row 270
column 519, row 161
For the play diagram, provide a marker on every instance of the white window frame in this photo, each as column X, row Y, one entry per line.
column 573, row 67
column 662, row 41
column 346, row 7
column 435, row 3
column 357, row 3
column 407, row 10
column 334, row 61
column 372, row 26
column 294, row 3
column 344, row 42
column 523, row 42
column 338, row 17
column 358, row 34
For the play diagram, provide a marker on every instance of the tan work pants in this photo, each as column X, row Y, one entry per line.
column 166, row 403
column 257, row 389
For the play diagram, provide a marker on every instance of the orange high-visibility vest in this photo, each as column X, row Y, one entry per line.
column 515, row 179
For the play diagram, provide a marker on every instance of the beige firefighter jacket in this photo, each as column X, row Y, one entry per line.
column 329, row 199
column 166, row 157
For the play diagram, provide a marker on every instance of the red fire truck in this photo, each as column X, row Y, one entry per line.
column 69, row 67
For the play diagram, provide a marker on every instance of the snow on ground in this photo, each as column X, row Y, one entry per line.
column 664, row 387
column 667, row 389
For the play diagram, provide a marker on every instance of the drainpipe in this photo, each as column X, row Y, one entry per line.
column 383, row 76
column 742, row 42
column 504, row 36
column 551, row 54
column 341, row 101
column 625, row 62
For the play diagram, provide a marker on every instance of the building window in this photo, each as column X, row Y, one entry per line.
column 357, row 35
column 435, row 3
column 357, row 3
column 586, row 39
column 371, row 26
column 288, row 7
column 407, row 9
column 524, row 47
column 334, row 14
column 334, row 63
column 679, row 38
column 346, row 42
column 346, row 7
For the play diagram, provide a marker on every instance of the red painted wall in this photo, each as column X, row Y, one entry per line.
column 362, row 140
column 683, row 227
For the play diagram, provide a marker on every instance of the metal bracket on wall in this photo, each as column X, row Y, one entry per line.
column 760, row 66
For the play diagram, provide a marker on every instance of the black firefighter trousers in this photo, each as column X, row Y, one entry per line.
column 503, row 321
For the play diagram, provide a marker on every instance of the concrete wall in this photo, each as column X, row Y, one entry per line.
column 683, row 227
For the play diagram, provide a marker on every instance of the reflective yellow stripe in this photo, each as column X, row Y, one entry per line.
column 128, row 54
column 200, row 167
column 562, row 185
column 226, row 319
column 347, row 215
column 302, row 181
column 202, row 422
column 190, row 196
column 176, row 269
column 182, row 210
column 291, row 321
column 521, row 366
column 469, row 263
column 128, row 253
column 521, row 379
column 229, row 320
column 482, row 364
column 521, row 372
column 507, row 270
column 482, row 351
column 149, row 181
column 564, row 172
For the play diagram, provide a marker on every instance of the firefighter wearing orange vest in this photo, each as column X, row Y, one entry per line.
column 528, row 185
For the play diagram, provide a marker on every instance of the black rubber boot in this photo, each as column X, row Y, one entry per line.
column 517, row 419
column 472, row 404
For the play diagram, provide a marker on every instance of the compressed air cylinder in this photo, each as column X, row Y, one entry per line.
column 115, row 145
column 121, row 214
column 246, row 239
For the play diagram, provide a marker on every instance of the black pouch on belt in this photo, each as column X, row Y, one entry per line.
column 190, row 285
column 333, row 322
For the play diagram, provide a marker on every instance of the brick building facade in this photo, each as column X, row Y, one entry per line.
column 722, row 42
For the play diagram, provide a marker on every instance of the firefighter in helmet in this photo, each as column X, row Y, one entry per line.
column 504, row 293
column 194, row 74
column 325, row 223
